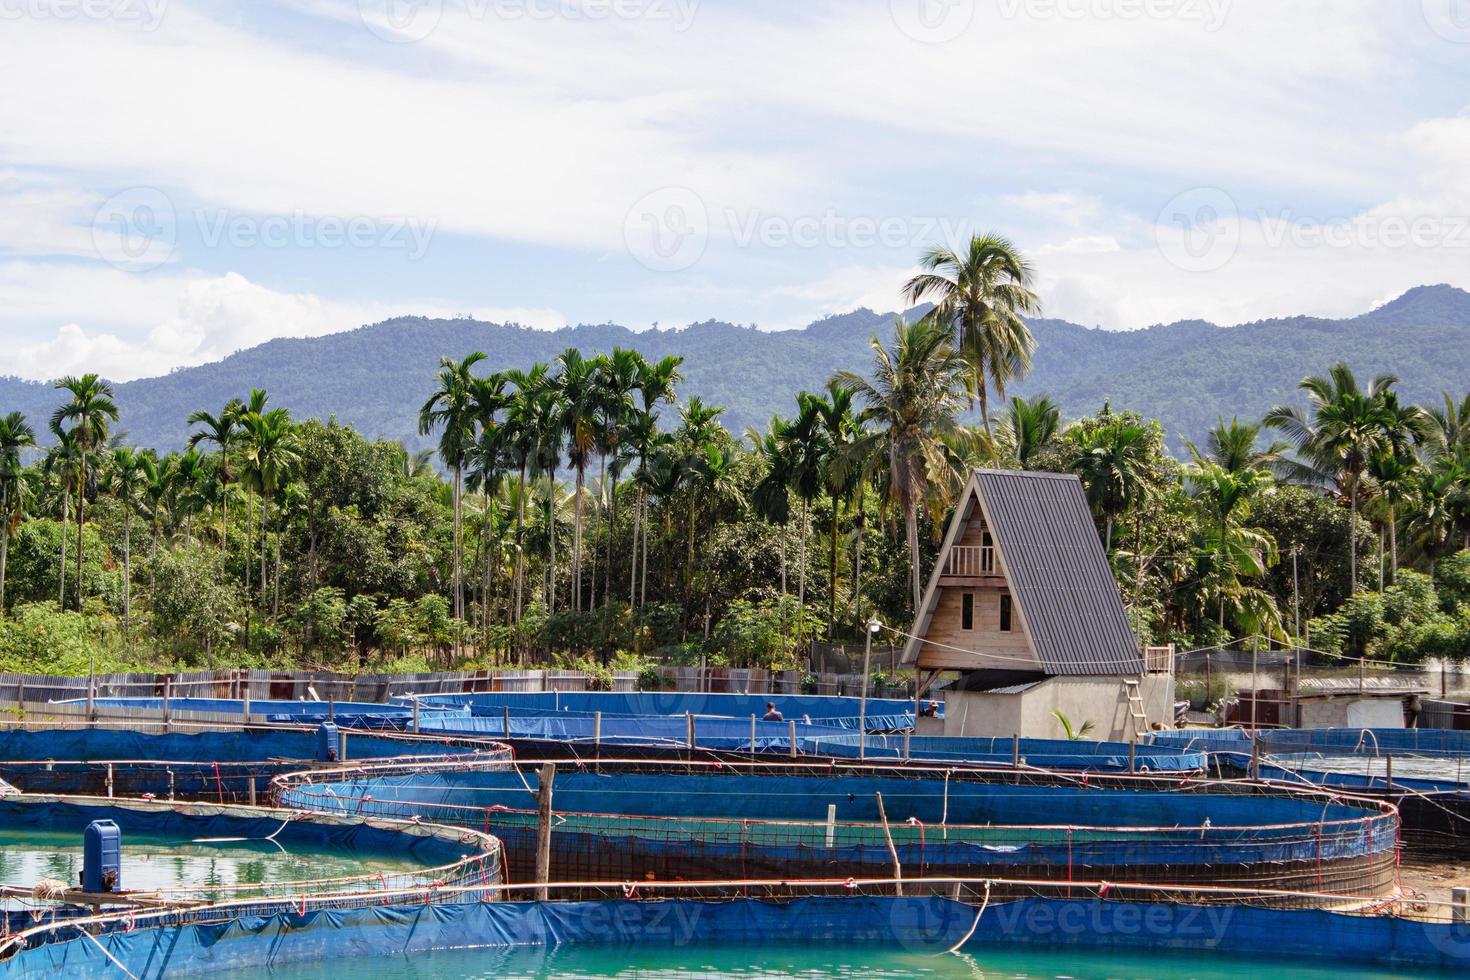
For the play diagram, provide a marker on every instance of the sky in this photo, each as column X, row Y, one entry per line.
column 180, row 179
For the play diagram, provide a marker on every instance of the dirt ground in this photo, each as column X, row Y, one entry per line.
column 1432, row 876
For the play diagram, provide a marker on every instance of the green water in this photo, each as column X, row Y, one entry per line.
column 27, row 856
column 769, row 963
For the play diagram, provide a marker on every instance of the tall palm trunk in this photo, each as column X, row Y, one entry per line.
column 457, row 557
column 801, row 559
column 643, row 574
column 4, row 540
column 249, row 556
column 832, row 574
column 633, row 550
column 65, row 529
column 81, row 526
column 127, row 567
column 518, row 584
column 1393, row 541
column 857, row 566
column 551, row 536
column 577, row 539
column 911, row 532
column 1352, row 491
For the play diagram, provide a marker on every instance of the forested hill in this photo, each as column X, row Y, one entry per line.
column 1184, row 373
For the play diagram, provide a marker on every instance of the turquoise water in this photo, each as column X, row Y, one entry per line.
column 771, row 963
column 27, row 856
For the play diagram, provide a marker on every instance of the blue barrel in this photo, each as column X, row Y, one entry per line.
column 328, row 743
column 101, row 857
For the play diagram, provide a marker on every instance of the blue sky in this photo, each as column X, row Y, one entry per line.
column 183, row 178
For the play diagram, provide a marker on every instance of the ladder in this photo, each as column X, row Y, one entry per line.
column 1136, row 708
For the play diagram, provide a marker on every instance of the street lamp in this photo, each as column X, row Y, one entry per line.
column 873, row 627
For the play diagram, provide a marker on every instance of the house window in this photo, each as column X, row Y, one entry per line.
column 1005, row 614
column 967, row 611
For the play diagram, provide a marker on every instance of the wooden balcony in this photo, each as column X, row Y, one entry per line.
column 969, row 564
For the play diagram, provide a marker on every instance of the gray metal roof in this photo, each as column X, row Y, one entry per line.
column 1059, row 572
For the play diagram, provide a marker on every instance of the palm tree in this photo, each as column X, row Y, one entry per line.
column 617, row 380
column 126, row 478
column 15, row 435
column 804, row 466
column 89, row 412
column 1233, row 446
column 1393, row 475
column 580, row 420
column 1111, row 461
column 913, row 398
column 64, row 460
column 1028, row 428
column 221, row 430
column 271, row 455
column 839, row 425
column 982, row 295
column 771, row 496
column 1225, row 496
column 519, row 439
column 1448, row 428
column 452, row 409
column 656, row 384
column 1347, row 426
column 701, row 437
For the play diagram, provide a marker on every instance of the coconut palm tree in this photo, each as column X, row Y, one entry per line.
column 126, row 478
column 656, row 384
column 1234, row 447
column 1111, row 461
column 1448, row 427
column 617, row 381
column 770, row 498
column 1225, row 497
column 838, row 425
column 1393, row 479
column 1346, row 427
column 86, row 418
column 221, row 430
column 912, row 400
column 519, row 438
column 982, row 293
column 1028, row 428
column 271, row 455
column 16, row 435
column 452, row 410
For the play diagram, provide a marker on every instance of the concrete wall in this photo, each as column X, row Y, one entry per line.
column 1100, row 700
column 1351, row 712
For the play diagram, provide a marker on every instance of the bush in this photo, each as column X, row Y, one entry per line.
column 39, row 638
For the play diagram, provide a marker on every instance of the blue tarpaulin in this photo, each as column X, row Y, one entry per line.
column 904, row 925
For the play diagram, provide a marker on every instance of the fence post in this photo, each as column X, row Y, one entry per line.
column 752, row 734
column 252, row 790
column 505, row 720
column 543, row 829
column 597, row 731
column 20, row 697
column 892, row 851
column 792, row 737
column 1132, row 750
column 689, row 733
column 415, row 714
column 1460, row 906
column 831, row 823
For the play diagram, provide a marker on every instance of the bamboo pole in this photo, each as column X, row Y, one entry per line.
column 892, row 851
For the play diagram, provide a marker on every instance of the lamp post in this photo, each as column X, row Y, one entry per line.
column 873, row 627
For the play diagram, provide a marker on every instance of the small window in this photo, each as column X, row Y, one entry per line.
column 1005, row 614
column 967, row 611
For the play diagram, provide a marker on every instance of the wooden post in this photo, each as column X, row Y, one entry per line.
column 1255, row 756
column 905, row 746
column 1132, row 750
column 168, row 683
column 170, row 784
column 597, row 731
column 20, row 696
column 245, row 702
column 342, row 745
column 752, row 734
column 792, row 737
column 109, row 780
column 415, row 714
column 543, row 829
column 505, row 720
column 892, row 851
column 252, row 790
column 1388, row 770
column 689, row 733
column 1460, row 906
column 831, row 823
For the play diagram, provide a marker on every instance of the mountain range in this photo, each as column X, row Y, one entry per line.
column 1186, row 374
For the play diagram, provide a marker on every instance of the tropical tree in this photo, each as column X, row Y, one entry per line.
column 1029, row 427
column 1347, row 425
column 271, row 456
column 63, row 461
column 221, row 430
column 16, row 435
column 1234, row 446
column 656, row 383
column 127, row 479
column 1393, row 479
column 580, row 420
column 840, row 425
column 453, row 412
column 1111, row 460
column 982, row 294
column 86, row 417
column 912, row 400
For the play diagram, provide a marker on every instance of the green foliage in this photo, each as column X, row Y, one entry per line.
column 759, row 634
column 191, row 600
column 1074, row 734
column 38, row 638
column 1403, row 624
column 1452, row 580
column 33, row 569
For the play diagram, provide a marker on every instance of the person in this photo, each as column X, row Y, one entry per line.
column 931, row 710
column 771, row 713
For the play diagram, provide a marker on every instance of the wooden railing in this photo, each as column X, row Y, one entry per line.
column 969, row 561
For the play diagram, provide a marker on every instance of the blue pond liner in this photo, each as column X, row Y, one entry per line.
column 1038, row 752
column 214, row 765
column 909, row 925
column 820, row 709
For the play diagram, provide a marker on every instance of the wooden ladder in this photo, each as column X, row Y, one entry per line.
column 1136, row 708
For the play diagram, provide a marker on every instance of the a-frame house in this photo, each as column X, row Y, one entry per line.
column 1023, row 605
